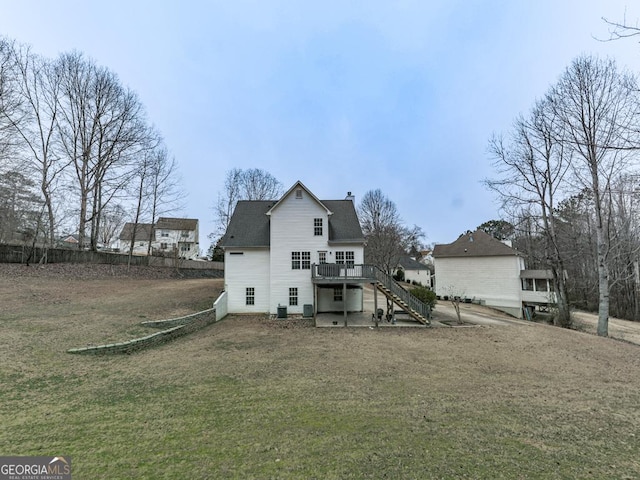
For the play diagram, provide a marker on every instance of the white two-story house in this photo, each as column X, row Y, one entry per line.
column 169, row 237
column 271, row 249
column 177, row 236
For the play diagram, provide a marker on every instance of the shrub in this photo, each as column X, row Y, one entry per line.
column 399, row 276
column 425, row 295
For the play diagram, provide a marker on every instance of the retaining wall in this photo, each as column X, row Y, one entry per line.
column 220, row 305
column 173, row 328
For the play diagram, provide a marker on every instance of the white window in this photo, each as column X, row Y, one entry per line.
column 322, row 257
column 293, row 296
column 164, row 233
column 306, row 260
column 337, row 294
column 299, row 193
column 350, row 258
column 347, row 258
column 317, row 227
column 295, row 260
column 250, row 296
column 300, row 260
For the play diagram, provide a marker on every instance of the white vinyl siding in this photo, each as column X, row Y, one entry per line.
column 247, row 269
column 421, row 276
column 291, row 231
column 327, row 301
column 495, row 280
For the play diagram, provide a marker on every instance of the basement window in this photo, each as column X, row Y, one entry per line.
column 293, row 296
column 250, row 298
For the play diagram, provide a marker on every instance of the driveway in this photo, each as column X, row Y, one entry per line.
column 621, row 329
column 444, row 315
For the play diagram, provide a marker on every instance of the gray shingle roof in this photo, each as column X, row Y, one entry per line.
column 143, row 232
column 408, row 263
column 166, row 223
column 474, row 244
column 344, row 225
column 249, row 224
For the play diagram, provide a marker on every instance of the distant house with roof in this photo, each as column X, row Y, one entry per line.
column 142, row 232
column 414, row 271
column 477, row 267
column 68, row 241
column 180, row 234
column 168, row 236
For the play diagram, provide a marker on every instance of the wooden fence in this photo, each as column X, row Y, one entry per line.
column 22, row 254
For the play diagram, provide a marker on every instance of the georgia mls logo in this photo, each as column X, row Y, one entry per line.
column 35, row 468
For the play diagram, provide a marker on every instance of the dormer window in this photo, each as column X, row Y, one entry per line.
column 317, row 227
column 299, row 193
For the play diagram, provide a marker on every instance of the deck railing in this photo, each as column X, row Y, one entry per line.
column 337, row 271
column 414, row 303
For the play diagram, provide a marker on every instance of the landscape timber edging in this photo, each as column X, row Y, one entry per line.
column 177, row 328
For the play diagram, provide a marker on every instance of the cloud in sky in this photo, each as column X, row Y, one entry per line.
column 344, row 96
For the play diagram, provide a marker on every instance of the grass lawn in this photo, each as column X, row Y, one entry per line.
column 257, row 398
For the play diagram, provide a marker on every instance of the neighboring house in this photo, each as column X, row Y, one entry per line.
column 479, row 268
column 169, row 236
column 298, row 253
column 179, row 234
column 143, row 232
column 414, row 271
column 68, row 241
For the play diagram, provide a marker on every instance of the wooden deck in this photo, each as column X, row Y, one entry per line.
column 339, row 273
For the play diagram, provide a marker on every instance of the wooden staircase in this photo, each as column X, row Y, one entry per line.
column 394, row 292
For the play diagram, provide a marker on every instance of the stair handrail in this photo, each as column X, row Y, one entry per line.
column 412, row 302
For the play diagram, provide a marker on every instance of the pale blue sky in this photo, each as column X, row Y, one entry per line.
column 344, row 96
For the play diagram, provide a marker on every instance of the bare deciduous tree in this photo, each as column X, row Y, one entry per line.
column 623, row 29
column 532, row 166
column 9, row 101
column 597, row 109
column 20, row 208
column 386, row 236
column 251, row 184
column 102, row 128
column 34, row 123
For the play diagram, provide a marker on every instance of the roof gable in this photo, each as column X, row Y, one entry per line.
column 294, row 190
column 474, row 244
column 250, row 223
